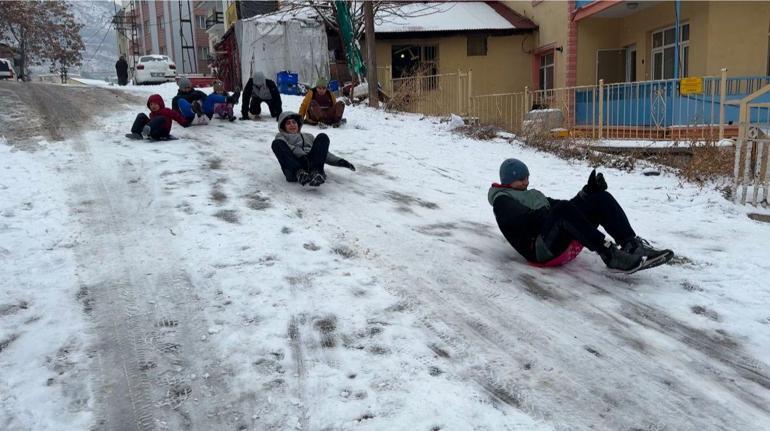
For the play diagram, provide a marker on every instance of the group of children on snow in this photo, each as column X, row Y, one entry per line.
column 543, row 230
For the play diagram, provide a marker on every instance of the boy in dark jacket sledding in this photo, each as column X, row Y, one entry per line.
column 189, row 102
column 541, row 228
column 258, row 90
column 301, row 155
column 158, row 124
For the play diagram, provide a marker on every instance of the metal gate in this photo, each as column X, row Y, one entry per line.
column 752, row 149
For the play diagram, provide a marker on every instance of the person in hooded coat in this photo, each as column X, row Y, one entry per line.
column 121, row 68
column 301, row 155
column 258, row 90
column 158, row 124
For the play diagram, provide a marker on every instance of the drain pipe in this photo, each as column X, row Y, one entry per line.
column 677, row 36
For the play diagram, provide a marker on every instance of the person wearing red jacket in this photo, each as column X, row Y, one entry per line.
column 158, row 124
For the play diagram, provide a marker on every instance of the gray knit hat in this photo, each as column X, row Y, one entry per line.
column 513, row 170
column 184, row 82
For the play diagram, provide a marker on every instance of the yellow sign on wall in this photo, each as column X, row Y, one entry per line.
column 692, row 85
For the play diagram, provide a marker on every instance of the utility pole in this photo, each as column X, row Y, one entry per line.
column 371, row 50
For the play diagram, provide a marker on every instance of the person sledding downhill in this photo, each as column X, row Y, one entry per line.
column 301, row 155
column 542, row 229
column 220, row 102
column 320, row 107
column 189, row 102
column 158, row 125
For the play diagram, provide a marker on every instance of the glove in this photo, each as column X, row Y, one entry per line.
column 595, row 184
column 346, row 164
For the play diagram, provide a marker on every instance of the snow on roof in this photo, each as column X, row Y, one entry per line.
column 441, row 17
column 305, row 14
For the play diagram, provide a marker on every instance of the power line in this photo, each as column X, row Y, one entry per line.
column 99, row 48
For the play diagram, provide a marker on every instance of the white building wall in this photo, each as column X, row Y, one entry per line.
column 153, row 26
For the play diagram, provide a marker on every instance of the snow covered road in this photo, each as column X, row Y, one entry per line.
column 186, row 285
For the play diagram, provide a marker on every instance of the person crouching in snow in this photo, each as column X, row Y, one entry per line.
column 220, row 102
column 320, row 106
column 541, row 228
column 158, row 124
column 301, row 155
column 258, row 90
column 189, row 102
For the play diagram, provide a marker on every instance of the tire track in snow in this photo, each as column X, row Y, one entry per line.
column 509, row 344
column 148, row 321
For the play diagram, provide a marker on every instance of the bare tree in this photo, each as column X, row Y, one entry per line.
column 41, row 31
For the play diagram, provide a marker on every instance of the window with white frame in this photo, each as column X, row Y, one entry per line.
column 545, row 81
column 664, row 49
column 203, row 52
column 201, row 21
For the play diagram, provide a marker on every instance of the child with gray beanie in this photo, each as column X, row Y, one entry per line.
column 189, row 102
column 541, row 229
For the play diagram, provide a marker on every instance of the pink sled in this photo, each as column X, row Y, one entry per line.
column 573, row 250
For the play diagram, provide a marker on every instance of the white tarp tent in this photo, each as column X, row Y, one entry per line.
column 280, row 42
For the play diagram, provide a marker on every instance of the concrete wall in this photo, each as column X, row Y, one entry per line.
column 504, row 69
column 738, row 37
column 553, row 19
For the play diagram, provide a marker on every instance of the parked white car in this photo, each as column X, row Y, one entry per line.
column 6, row 69
column 154, row 69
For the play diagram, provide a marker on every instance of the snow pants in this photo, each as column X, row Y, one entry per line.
column 157, row 126
column 186, row 109
column 327, row 115
column 255, row 107
column 312, row 162
column 210, row 102
column 578, row 219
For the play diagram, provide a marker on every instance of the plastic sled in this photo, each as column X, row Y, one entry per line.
column 573, row 250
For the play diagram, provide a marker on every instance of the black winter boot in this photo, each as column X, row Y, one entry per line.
column 317, row 178
column 654, row 256
column 303, row 177
column 620, row 260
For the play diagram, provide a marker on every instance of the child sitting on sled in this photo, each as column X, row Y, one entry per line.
column 220, row 102
column 158, row 124
column 543, row 229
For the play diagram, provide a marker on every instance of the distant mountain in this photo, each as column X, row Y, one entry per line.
column 98, row 35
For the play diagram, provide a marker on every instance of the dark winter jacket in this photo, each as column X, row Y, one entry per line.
column 520, row 215
column 168, row 114
column 191, row 96
column 121, row 68
column 300, row 143
column 250, row 97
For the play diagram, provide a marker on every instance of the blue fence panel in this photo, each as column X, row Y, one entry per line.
column 582, row 3
column 659, row 103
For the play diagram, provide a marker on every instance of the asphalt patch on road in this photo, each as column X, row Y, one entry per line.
column 36, row 111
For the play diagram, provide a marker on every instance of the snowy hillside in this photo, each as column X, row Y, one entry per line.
column 98, row 35
column 186, row 285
